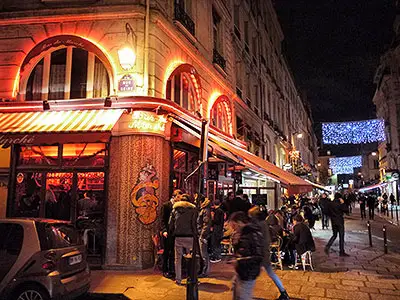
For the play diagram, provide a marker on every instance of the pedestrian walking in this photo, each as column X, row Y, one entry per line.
column 217, row 233
column 351, row 199
column 168, row 238
column 183, row 226
column 371, row 202
column 258, row 217
column 362, row 201
column 249, row 251
column 392, row 199
column 324, row 204
column 204, row 230
column 336, row 210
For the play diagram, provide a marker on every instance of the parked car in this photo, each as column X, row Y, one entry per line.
column 41, row 259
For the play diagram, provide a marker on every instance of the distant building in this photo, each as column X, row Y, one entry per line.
column 387, row 101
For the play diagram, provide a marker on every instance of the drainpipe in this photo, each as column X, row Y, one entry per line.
column 146, row 50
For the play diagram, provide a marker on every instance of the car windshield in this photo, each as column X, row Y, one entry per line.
column 62, row 235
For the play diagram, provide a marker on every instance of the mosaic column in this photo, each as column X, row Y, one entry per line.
column 138, row 186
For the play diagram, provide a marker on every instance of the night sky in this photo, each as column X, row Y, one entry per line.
column 333, row 48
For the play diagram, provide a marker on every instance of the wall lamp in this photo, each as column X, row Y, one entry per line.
column 126, row 55
column 46, row 105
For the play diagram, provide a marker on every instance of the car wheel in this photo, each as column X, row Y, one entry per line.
column 31, row 292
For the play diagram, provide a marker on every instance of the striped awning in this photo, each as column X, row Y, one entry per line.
column 59, row 121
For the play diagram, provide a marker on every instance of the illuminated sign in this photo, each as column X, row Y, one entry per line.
column 126, row 84
column 145, row 122
column 18, row 139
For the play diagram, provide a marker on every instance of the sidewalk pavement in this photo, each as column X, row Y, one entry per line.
column 368, row 274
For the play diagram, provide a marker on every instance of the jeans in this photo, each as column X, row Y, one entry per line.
column 215, row 246
column 325, row 221
column 242, row 289
column 204, row 255
column 274, row 277
column 337, row 229
column 180, row 244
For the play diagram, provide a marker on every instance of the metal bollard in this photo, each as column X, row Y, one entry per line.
column 397, row 213
column 369, row 234
column 385, row 239
column 391, row 210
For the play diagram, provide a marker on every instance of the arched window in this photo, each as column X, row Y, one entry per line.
column 221, row 114
column 68, row 73
column 183, row 87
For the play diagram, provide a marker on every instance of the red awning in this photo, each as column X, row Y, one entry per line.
column 57, row 126
column 293, row 183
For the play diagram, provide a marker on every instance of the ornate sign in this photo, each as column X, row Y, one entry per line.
column 126, row 84
column 8, row 140
column 143, row 195
column 147, row 122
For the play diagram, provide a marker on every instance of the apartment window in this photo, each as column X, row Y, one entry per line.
column 246, row 33
column 217, row 36
column 236, row 21
column 183, row 87
column 68, row 73
column 220, row 117
column 183, row 12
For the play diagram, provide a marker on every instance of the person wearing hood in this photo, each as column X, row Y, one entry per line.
column 183, row 227
column 204, row 230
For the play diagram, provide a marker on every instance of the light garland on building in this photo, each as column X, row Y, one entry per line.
column 358, row 132
column 345, row 165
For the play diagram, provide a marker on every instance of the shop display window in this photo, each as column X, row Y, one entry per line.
column 185, row 163
column 84, row 154
column 58, row 196
column 38, row 156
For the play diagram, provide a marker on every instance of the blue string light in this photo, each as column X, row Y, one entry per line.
column 358, row 132
column 345, row 165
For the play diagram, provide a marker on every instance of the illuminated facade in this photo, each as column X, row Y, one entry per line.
column 102, row 107
column 387, row 102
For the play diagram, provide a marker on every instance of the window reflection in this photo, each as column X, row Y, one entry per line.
column 38, row 155
column 28, row 196
column 58, row 196
column 84, row 154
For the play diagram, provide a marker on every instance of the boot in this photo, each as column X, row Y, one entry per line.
column 284, row 296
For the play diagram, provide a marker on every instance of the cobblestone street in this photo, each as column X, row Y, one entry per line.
column 367, row 274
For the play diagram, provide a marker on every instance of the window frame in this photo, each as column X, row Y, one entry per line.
column 46, row 56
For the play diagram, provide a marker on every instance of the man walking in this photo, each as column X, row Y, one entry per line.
column 183, row 226
column 324, row 204
column 371, row 206
column 249, row 251
column 336, row 210
column 168, row 255
column 362, row 200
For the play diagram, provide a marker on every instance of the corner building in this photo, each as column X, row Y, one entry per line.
column 102, row 108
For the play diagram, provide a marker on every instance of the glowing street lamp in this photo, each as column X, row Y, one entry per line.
column 373, row 153
column 299, row 135
column 126, row 58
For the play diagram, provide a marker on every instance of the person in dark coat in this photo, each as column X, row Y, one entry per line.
column 324, row 204
column 204, row 231
column 362, row 201
column 217, row 226
column 183, row 227
column 168, row 239
column 227, row 204
column 302, row 238
column 258, row 217
column 392, row 199
column 371, row 201
column 249, row 251
column 336, row 210
column 275, row 229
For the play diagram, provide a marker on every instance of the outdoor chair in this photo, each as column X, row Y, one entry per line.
column 305, row 260
column 275, row 253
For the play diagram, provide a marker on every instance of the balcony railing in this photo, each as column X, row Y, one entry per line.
column 239, row 92
column 218, row 59
column 182, row 17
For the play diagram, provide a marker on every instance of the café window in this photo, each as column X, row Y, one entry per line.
column 183, row 88
column 68, row 73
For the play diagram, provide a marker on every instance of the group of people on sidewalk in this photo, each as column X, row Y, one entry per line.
column 373, row 201
column 188, row 222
